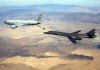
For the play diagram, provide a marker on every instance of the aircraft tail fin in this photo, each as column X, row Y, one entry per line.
column 91, row 33
column 40, row 18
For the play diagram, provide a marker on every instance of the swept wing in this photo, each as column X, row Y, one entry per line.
column 72, row 39
column 76, row 32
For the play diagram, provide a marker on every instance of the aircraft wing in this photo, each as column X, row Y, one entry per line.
column 72, row 39
column 76, row 32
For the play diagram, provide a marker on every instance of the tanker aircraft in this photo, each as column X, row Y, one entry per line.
column 16, row 23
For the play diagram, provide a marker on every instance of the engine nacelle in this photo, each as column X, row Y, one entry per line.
column 78, row 38
column 13, row 26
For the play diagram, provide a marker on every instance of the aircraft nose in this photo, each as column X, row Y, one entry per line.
column 5, row 22
column 46, row 32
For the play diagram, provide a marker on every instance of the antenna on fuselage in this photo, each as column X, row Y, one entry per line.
column 41, row 27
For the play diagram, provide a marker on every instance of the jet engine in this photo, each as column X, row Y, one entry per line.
column 13, row 26
column 78, row 38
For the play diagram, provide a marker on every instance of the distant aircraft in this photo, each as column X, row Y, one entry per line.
column 15, row 23
column 74, row 36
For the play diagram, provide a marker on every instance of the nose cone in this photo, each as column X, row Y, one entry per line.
column 47, row 32
column 5, row 22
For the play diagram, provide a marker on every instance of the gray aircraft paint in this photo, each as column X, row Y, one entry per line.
column 74, row 36
column 15, row 23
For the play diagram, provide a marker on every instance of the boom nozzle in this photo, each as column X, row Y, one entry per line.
column 41, row 27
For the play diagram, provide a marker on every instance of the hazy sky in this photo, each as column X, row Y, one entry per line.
column 93, row 3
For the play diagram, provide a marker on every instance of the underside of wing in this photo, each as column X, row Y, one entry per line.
column 72, row 39
column 76, row 32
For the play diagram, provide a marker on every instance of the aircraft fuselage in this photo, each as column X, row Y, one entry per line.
column 13, row 22
column 16, row 23
column 67, row 34
column 74, row 36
